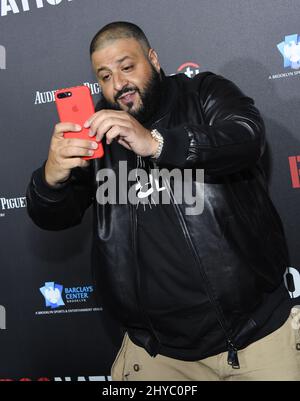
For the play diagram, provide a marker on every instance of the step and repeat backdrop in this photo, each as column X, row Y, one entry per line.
column 44, row 46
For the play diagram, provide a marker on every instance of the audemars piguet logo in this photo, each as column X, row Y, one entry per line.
column 49, row 96
column 9, row 7
column 7, row 204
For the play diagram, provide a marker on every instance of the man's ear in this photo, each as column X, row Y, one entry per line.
column 153, row 57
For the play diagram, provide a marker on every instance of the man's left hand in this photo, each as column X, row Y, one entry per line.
column 124, row 128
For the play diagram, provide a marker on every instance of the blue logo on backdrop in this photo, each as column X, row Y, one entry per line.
column 57, row 295
column 53, row 294
column 290, row 50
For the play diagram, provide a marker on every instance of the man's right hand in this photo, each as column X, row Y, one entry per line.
column 66, row 153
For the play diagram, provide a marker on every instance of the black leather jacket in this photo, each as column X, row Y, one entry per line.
column 237, row 242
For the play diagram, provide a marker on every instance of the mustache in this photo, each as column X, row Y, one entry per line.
column 125, row 90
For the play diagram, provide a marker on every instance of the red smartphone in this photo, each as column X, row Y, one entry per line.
column 75, row 105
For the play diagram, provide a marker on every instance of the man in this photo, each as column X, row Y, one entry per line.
column 200, row 296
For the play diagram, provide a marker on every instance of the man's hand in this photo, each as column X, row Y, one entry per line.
column 121, row 126
column 66, row 153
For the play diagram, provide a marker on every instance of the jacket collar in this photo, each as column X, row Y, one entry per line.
column 169, row 91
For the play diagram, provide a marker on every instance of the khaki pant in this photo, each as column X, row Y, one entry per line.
column 273, row 358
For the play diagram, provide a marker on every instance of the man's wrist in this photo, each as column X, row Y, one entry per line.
column 52, row 184
column 49, row 182
column 159, row 143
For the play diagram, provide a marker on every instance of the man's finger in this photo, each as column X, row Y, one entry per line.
column 115, row 132
column 82, row 143
column 75, row 151
column 89, row 121
column 124, row 143
column 104, row 114
column 106, row 125
column 76, row 162
column 61, row 128
column 100, row 126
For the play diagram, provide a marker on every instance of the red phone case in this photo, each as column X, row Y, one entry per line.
column 76, row 108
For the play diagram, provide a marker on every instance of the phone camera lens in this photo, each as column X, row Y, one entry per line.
column 63, row 95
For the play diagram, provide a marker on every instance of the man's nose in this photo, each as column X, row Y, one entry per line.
column 119, row 82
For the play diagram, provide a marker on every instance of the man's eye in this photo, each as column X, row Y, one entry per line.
column 105, row 77
column 128, row 68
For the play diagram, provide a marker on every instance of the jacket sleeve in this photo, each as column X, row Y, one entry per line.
column 60, row 207
column 231, row 137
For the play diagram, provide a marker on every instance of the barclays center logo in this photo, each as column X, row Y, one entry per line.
column 61, row 299
column 290, row 50
column 53, row 295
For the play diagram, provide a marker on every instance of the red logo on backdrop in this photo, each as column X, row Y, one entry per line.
column 295, row 171
column 189, row 69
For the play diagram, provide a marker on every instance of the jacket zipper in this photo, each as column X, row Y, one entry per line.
column 232, row 357
column 134, row 235
column 133, row 215
column 140, row 306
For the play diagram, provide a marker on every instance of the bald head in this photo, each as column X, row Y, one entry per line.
column 119, row 30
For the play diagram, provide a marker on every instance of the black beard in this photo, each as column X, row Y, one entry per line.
column 150, row 98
